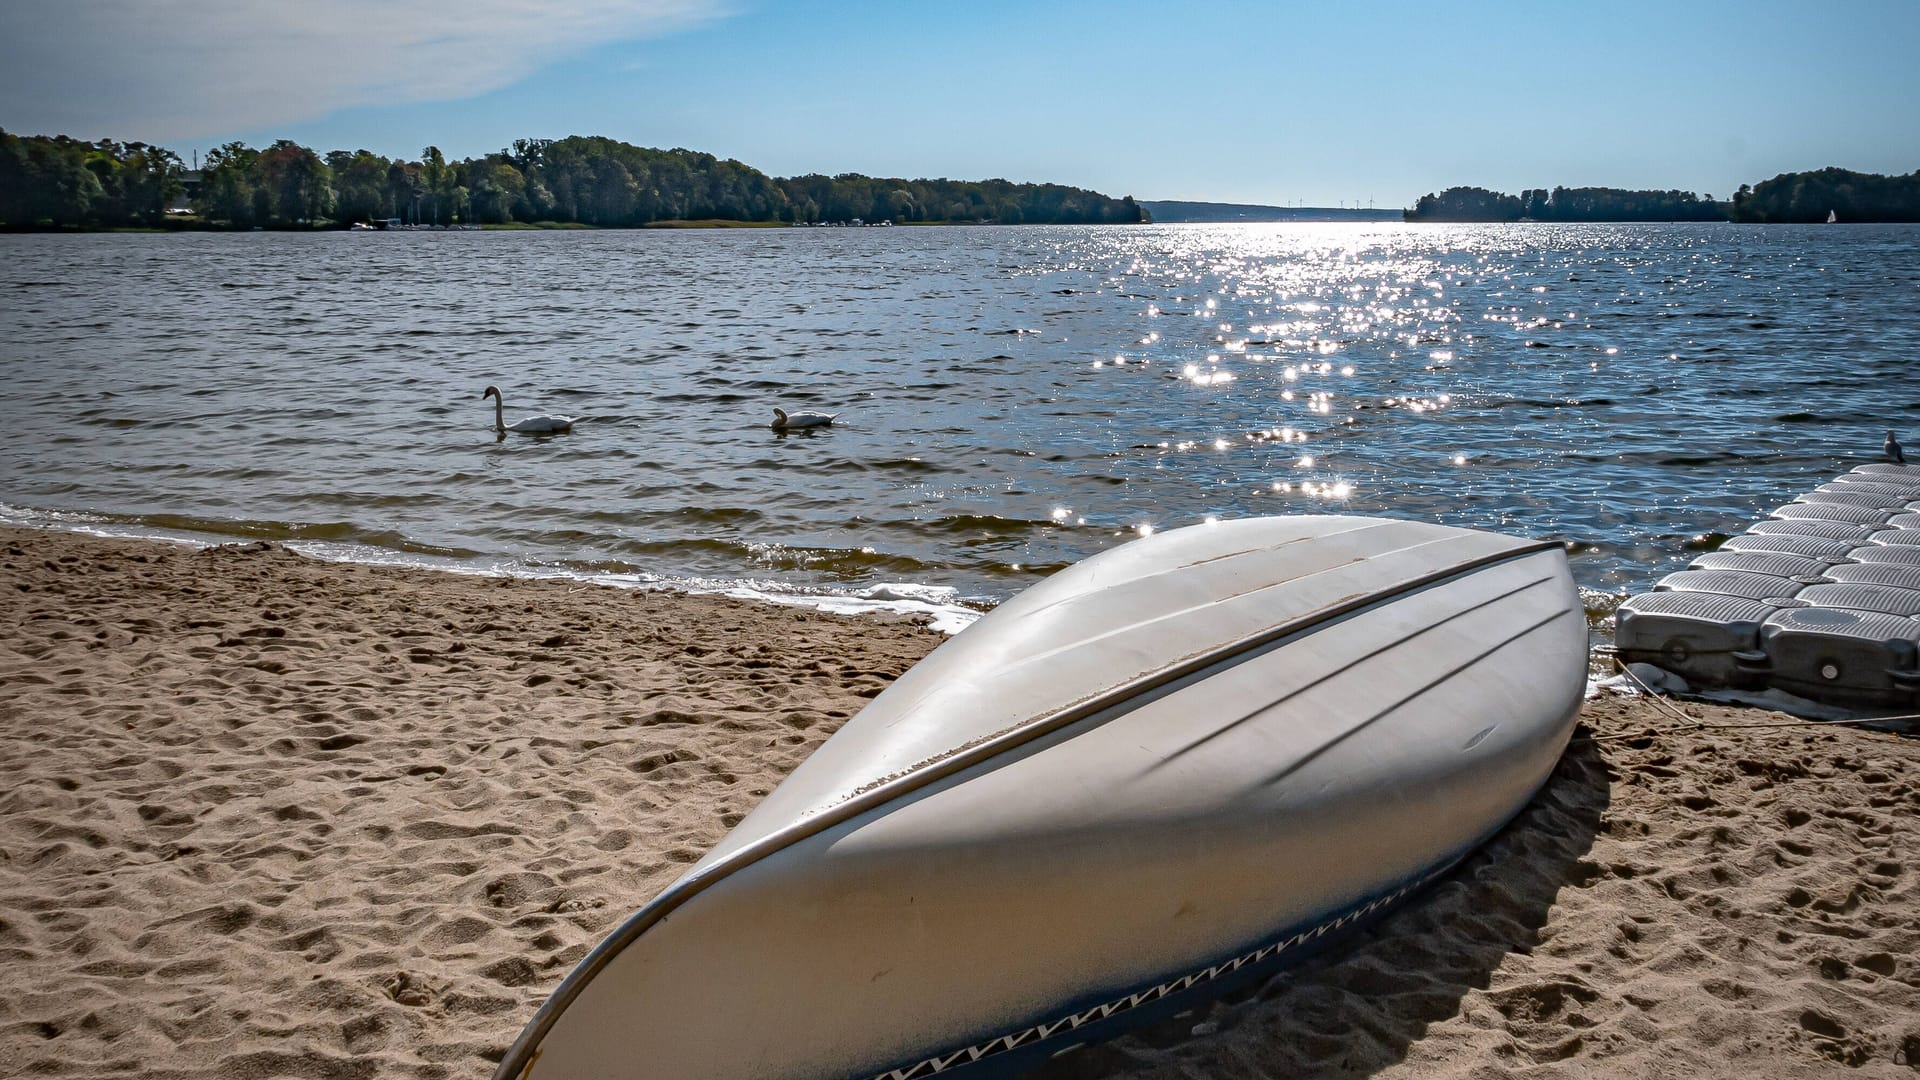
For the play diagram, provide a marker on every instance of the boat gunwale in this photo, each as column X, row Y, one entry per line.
column 524, row 1053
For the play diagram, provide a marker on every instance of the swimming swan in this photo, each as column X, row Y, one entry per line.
column 783, row 422
column 532, row 425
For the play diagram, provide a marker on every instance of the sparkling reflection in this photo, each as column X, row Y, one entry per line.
column 1003, row 387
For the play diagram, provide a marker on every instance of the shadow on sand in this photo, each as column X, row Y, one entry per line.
column 1357, row 1010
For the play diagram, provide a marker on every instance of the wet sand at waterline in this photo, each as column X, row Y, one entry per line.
column 268, row 816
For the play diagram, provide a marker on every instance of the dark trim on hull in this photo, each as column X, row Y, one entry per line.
column 1108, row 1016
column 1105, row 1016
column 525, row 1050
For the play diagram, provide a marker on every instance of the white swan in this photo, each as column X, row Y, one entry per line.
column 531, row 425
column 784, row 422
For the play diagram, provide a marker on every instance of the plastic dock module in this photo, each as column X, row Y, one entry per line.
column 1845, row 657
column 1713, row 639
column 1824, row 530
column 1765, row 588
column 1766, row 562
column 1898, row 555
column 1811, row 547
column 1821, row 600
column 1871, row 573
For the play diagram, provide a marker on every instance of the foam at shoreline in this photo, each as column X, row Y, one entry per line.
column 940, row 607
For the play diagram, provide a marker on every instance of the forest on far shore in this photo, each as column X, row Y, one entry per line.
column 1799, row 197
column 59, row 182
column 55, row 182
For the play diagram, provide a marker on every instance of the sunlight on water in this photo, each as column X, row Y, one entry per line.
column 1010, row 399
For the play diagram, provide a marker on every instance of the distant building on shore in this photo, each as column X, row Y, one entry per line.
column 189, row 190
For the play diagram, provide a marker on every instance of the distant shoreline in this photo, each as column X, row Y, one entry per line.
column 1195, row 212
column 197, row 226
column 722, row 226
column 585, row 180
column 1822, row 196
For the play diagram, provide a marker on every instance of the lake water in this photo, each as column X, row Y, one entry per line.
column 1009, row 399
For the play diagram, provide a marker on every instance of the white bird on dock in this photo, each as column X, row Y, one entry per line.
column 530, row 425
column 1892, row 450
column 784, row 422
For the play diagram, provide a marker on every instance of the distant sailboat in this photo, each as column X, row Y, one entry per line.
column 1832, row 218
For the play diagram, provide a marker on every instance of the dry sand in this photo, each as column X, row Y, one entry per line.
column 265, row 816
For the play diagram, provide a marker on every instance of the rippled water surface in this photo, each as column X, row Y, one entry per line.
column 1010, row 399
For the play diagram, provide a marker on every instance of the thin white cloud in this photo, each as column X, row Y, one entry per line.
column 162, row 70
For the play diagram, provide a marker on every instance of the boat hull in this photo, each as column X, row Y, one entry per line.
column 1226, row 796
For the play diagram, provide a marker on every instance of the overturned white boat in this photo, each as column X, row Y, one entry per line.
column 1174, row 766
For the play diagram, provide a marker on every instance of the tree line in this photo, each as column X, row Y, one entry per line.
column 65, row 182
column 61, row 182
column 1847, row 195
column 1566, row 204
column 1790, row 197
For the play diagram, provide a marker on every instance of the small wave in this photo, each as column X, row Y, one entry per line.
column 1600, row 605
column 912, row 465
column 701, row 550
column 213, row 530
column 1823, row 418
column 717, row 515
column 1663, row 458
column 839, row 562
column 1548, row 403
column 700, row 515
column 720, row 397
column 591, row 567
column 991, row 524
column 942, row 607
column 905, row 465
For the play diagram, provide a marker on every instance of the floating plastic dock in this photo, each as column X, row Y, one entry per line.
column 1821, row 600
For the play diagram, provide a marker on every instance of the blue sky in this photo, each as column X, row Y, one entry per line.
column 1277, row 103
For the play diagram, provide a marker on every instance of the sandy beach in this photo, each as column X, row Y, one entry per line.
column 266, row 816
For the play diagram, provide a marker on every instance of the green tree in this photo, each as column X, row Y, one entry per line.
column 1811, row 196
column 360, row 191
column 405, row 190
column 152, row 178
column 227, row 185
column 496, row 191
column 299, row 186
column 594, row 180
column 51, row 182
column 437, row 181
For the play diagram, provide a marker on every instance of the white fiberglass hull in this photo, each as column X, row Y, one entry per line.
column 1185, row 756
